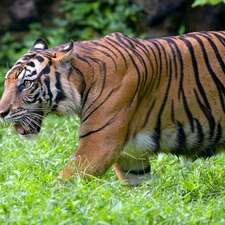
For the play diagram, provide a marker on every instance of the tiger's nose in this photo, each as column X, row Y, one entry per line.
column 4, row 113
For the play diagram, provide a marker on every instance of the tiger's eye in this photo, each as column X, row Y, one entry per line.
column 27, row 83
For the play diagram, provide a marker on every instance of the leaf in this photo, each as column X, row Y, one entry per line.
column 199, row 3
column 204, row 2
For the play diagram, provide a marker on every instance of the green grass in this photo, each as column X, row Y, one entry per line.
column 193, row 193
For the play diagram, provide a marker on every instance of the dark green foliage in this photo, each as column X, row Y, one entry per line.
column 92, row 19
column 78, row 21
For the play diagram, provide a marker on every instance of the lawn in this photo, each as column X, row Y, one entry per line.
column 178, row 193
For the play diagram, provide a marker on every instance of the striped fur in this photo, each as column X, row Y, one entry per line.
column 134, row 98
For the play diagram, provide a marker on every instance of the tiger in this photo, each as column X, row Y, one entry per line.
column 135, row 98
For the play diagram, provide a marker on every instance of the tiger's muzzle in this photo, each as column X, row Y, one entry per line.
column 26, row 122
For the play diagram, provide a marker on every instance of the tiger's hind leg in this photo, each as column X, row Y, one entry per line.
column 133, row 170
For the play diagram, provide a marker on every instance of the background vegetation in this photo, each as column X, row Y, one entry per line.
column 81, row 21
column 203, row 2
column 178, row 193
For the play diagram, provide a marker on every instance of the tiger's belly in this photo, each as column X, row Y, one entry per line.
column 173, row 140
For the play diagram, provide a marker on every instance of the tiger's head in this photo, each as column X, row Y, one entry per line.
column 39, row 83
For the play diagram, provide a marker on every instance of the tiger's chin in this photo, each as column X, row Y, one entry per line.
column 30, row 127
column 26, row 131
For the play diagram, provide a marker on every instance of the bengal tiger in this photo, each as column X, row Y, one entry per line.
column 134, row 98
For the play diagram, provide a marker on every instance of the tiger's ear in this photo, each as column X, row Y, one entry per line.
column 39, row 44
column 66, row 53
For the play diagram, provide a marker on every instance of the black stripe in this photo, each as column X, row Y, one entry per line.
column 207, row 114
column 33, row 99
column 181, row 93
column 82, row 80
column 31, row 64
column 220, row 36
column 181, row 137
column 158, row 123
column 102, row 66
column 196, row 71
column 104, row 46
column 103, row 52
column 187, row 110
column 217, row 53
column 144, row 49
column 172, row 112
column 138, row 51
column 49, row 55
column 18, row 64
column 45, row 70
column 178, row 55
column 134, row 64
column 129, row 41
column 32, row 74
column 159, row 66
column 218, row 83
column 49, row 92
column 154, row 71
column 34, row 88
column 165, row 57
column 117, row 49
column 200, row 133
column 96, row 108
column 148, row 114
column 60, row 93
column 218, row 134
column 142, row 171
column 174, row 56
column 87, row 94
column 82, row 59
column 100, row 128
column 36, row 97
column 28, row 56
column 39, row 58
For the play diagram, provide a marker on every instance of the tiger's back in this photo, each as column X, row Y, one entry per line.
column 134, row 97
column 184, row 101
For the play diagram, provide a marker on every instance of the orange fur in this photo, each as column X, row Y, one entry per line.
column 134, row 98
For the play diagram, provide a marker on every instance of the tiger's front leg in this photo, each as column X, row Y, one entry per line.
column 94, row 158
column 129, row 169
column 90, row 160
column 97, row 151
column 103, row 136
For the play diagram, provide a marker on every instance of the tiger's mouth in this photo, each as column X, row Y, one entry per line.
column 30, row 125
